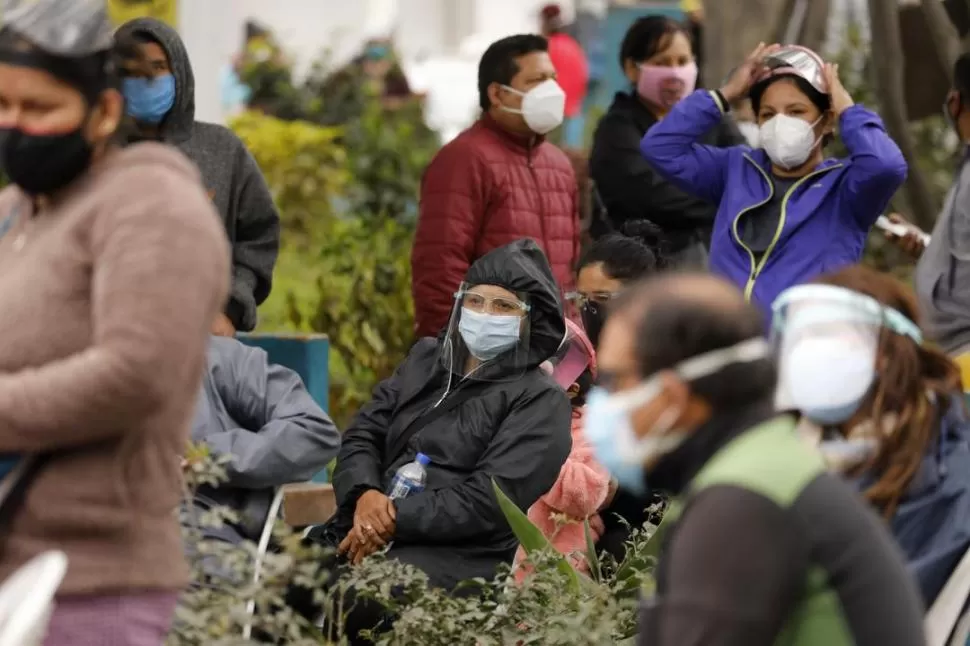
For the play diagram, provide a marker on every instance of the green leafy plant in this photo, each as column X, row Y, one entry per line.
column 347, row 195
column 549, row 608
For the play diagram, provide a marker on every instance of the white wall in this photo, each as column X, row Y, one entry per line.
column 209, row 30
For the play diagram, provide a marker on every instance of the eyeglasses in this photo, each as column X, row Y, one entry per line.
column 492, row 305
column 580, row 299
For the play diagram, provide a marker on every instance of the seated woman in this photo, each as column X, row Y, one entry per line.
column 658, row 61
column 884, row 409
column 612, row 263
column 786, row 214
column 584, row 486
column 261, row 416
column 475, row 402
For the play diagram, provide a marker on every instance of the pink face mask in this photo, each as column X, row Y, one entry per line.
column 665, row 86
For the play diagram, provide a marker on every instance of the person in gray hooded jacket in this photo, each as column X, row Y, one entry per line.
column 261, row 415
column 163, row 108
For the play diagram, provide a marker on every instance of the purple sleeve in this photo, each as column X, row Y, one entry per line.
column 877, row 167
column 671, row 146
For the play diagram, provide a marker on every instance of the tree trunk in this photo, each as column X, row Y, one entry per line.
column 887, row 62
column 816, row 25
column 733, row 30
column 942, row 33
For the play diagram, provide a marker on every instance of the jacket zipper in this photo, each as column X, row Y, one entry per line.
column 757, row 266
column 542, row 207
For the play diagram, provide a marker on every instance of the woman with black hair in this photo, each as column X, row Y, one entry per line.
column 612, row 263
column 657, row 59
column 786, row 213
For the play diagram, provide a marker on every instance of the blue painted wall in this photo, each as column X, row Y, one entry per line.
column 306, row 354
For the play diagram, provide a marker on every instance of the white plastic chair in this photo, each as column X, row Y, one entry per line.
column 261, row 549
column 27, row 599
column 943, row 622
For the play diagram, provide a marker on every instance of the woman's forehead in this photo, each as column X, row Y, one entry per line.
column 784, row 93
column 593, row 278
column 18, row 82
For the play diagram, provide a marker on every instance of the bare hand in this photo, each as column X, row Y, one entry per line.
column 357, row 547
column 913, row 244
column 222, row 326
column 747, row 73
column 841, row 101
column 374, row 517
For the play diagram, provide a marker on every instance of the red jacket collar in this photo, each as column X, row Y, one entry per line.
column 526, row 143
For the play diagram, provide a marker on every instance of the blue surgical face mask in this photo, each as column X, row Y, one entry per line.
column 609, row 429
column 148, row 100
column 488, row 335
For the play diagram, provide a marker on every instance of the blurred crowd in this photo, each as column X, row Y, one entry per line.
column 710, row 345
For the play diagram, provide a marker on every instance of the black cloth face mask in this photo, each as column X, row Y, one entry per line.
column 594, row 315
column 43, row 164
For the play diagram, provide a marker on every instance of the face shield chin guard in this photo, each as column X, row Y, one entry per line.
column 827, row 341
column 488, row 334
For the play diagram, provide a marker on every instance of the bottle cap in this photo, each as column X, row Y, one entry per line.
column 423, row 459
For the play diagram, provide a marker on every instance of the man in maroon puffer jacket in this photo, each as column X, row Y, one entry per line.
column 496, row 182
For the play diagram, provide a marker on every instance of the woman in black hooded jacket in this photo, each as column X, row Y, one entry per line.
column 657, row 58
column 477, row 404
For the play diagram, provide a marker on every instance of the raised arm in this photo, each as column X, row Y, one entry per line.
column 877, row 167
column 671, row 146
column 453, row 198
column 524, row 458
column 158, row 278
column 284, row 436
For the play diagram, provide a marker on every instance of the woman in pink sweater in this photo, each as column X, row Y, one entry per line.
column 584, row 487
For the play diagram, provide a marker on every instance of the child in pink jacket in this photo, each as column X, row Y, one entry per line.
column 584, row 486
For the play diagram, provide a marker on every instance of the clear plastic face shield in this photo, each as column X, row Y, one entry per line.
column 570, row 361
column 488, row 334
column 827, row 340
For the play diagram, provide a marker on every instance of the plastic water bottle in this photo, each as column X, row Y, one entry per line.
column 410, row 478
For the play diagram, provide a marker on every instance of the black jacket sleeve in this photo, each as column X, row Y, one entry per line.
column 731, row 572
column 631, row 188
column 728, row 134
column 524, row 457
column 255, row 241
column 360, row 461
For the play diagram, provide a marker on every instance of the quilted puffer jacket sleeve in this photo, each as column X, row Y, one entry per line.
column 453, row 201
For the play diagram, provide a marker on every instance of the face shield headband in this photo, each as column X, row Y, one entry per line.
column 838, row 304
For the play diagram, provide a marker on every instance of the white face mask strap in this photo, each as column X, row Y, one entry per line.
column 711, row 362
column 695, row 368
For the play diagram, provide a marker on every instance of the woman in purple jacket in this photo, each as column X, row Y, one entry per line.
column 786, row 214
